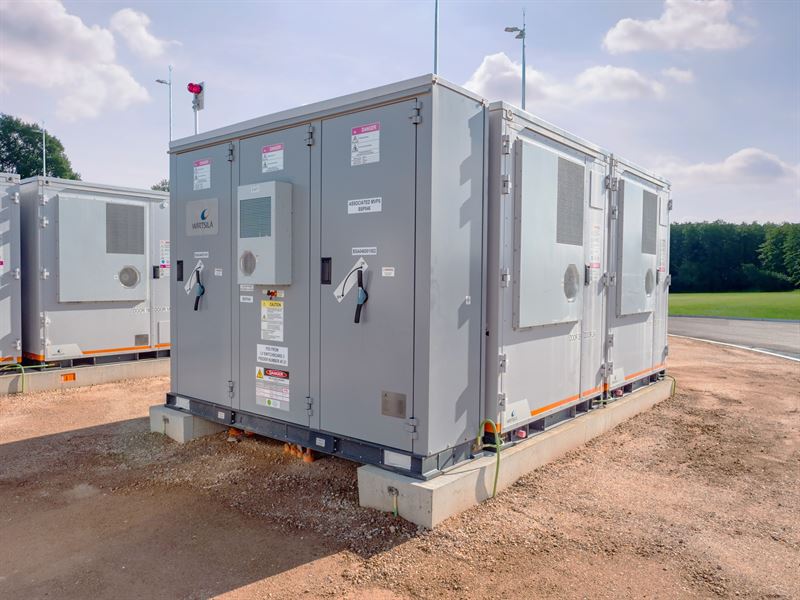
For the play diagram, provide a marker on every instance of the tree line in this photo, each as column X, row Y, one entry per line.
column 729, row 257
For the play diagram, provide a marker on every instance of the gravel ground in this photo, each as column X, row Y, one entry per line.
column 699, row 497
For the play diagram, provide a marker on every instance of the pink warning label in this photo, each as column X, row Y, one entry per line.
column 202, row 163
column 370, row 127
column 272, row 148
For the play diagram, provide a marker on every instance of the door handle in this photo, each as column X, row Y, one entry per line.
column 362, row 297
column 325, row 270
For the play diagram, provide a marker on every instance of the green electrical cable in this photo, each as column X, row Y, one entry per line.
column 394, row 505
column 673, row 387
column 497, row 444
column 21, row 368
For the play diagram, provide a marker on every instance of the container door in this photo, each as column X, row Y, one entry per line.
column 202, row 251
column 273, row 363
column 662, row 284
column 367, row 239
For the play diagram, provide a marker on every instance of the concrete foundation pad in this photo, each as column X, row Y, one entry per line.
column 180, row 426
column 428, row 503
column 57, row 379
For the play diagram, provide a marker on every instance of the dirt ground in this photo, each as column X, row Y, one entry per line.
column 699, row 497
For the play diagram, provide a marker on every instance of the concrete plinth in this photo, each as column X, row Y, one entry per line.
column 428, row 503
column 180, row 426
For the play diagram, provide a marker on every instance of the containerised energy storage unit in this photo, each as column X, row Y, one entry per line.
column 96, row 263
column 10, row 276
column 377, row 275
column 329, row 274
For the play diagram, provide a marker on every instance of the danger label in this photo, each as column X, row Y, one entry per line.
column 202, row 174
column 273, row 388
column 364, row 205
column 272, row 158
column 272, row 320
column 275, row 355
column 163, row 260
column 365, row 144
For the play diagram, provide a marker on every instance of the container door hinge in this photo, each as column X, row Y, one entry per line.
column 44, row 273
column 614, row 212
column 666, row 350
column 501, row 400
column 310, row 136
column 506, row 184
column 43, row 200
column 44, row 222
column 612, row 183
column 19, row 344
column 16, row 273
column 411, row 427
column 230, row 152
column 230, row 389
column 610, row 341
column 502, row 362
column 415, row 116
column 608, row 279
column 16, row 197
column 309, row 405
column 505, row 277
column 606, row 369
column 669, row 204
column 506, row 144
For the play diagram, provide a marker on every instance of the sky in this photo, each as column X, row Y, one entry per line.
column 706, row 94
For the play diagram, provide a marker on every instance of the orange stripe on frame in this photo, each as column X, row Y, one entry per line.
column 161, row 346
column 33, row 356
column 554, row 405
column 7, row 359
column 591, row 391
column 104, row 350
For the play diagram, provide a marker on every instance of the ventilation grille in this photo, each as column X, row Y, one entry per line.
column 649, row 223
column 124, row 229
column 255, row 217
column 569, row 219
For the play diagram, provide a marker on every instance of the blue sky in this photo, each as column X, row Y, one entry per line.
column 707, row 94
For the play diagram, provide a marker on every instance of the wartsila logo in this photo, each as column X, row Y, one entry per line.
column 204, row 222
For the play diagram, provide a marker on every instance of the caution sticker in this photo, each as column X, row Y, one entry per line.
column 365, row 144
column 272, row 158
column 273, row 388
column 202, row 174
column 163, row 258
column 272, row 320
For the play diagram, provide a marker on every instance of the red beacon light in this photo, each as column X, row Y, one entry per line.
column 194, row 88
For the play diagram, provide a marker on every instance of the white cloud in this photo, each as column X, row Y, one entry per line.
column 132, row 26
column 498, row 77
column 679, row 75
column 44, row 46
column 684, row 25
column 748, row 185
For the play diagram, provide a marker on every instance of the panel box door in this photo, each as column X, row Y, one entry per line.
column 202, row 250
column 367, row 225
column 273, row 366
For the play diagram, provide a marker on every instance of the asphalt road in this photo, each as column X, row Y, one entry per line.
column 780, row 337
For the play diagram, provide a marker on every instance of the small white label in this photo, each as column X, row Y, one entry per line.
column 349, row 280
column 395, row 459
column 365, row 251
column 320, row 442
column 202, row 174
column 387, row 271
column 275, row 355
column 201, row 254
column 246, row 299
column 272, row 158
column 246, row 287
column 220, row 414
column 364, row 205
column 365, row 144
column 272, row 320
column 217, row 272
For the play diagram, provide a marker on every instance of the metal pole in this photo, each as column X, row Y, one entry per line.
column 169, row 85
column 195, row 120
column 44, row 151
column 436, row 38
column 524, row 32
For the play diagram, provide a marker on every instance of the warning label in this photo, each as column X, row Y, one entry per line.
column 272, row 320
column 365, row 144
column 275, row 355
column 163, row 258
column 272, row 158
column 662, row 255
column 596, row 251
column 364, row 205
column 272, row 388
column 202, row 174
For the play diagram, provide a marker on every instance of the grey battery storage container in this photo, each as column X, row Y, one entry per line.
column 96, row 264
column 10, row 274
column 329, row 276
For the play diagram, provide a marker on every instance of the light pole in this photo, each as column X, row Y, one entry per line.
column 43, row 131
column 436, row 38
column 168, row 83
column 521, row 36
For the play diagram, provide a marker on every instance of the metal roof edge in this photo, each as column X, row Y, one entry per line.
column 96, row 187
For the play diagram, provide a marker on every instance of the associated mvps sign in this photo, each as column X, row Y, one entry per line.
column 201, row 217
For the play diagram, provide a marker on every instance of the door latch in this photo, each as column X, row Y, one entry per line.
column 362, row 297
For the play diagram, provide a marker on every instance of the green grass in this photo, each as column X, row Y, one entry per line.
column 753, row 305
